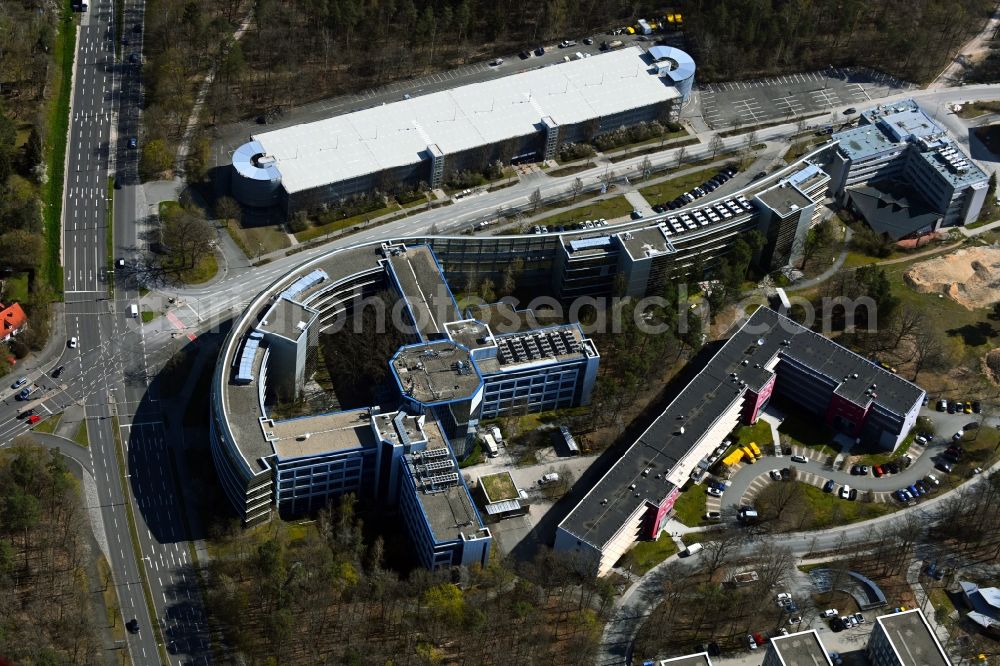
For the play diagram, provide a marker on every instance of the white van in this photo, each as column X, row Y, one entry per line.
column 497, row 437
column 692, row 549
column 491, row 445
column 133, row 311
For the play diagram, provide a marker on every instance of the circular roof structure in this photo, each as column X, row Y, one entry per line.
column 681, row 64
column 250, row 161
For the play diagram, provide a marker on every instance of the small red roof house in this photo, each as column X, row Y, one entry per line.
column 12, row 321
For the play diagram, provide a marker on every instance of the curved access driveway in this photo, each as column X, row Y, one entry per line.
column 641, row 597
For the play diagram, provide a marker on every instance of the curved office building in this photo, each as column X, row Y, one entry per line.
column 456, row 367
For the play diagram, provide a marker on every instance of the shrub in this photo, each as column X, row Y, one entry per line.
column 575, row 151
column 299, row 222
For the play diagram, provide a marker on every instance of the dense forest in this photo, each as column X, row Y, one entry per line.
column 30, row 88
column 321, row 593
column 912, row 40
column 46, row 614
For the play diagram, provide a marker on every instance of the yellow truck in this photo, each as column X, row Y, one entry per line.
column 749, row 455
column 756, row 450
column 733, row 457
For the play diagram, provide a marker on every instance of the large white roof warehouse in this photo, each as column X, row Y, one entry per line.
column 395, row 135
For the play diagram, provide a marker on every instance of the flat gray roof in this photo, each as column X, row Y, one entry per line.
column 784, row 198
column 364, row 142
column 912, row 639
column 545, row 345
column 287, row 319
column 424, row 288
column 700, row 659
column 470, row 333
column 430, row 372
column 312, row 435
column 800, row 649
column 449, row 509
column 645, row 243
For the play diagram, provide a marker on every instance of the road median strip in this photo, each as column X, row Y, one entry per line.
column 134, row 534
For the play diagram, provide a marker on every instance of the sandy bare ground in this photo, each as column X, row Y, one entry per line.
column 970, row 277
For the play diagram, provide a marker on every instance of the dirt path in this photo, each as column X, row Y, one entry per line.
column 184, row 148
column 953, row 73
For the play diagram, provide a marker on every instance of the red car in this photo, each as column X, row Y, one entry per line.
column 34, row 418
column 758, row 639
column 877, row 470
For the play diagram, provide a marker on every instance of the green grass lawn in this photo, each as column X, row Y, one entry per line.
column 828, row 510
column 167, row 207
column 49, row 424
column 15, row 288
column 499, row 486
column 316, row 232
column 202, row 271
column 690, row 506
column 258, row 240
column 647, row 554
column 808, row 431
column 759, row 432
column 671, row 189
column 606, row 208
column 474, row 458
column 81, row 437
column 148, row 316
column 882, row 458
column 800, row 148
column 570, row 170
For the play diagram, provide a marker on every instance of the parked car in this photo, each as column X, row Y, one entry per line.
column 567, row 43
column 714, row 492
column 751, row 643
column 853, row 495
column 783, row 597
column 968, row 408
column 859, row 618
column 951, row 407
column 795, row 620
column 713, row 515
column 775, row 475
column 798, row 459
column 845, row 492
column 829, row 612
column 942, row 405
column 944, row 466
column 524, row 55
column 933, row 480
column 496, row 62
column 786, row 473
column 758, row 638
column 540, row 51
column 836, row 625
column 588, row 40
column 828, row 486
column 877, row 471
column 977, row 407
column 19, row 383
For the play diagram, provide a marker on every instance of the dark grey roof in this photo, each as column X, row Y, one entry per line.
column 739, row 365
column 894, row 214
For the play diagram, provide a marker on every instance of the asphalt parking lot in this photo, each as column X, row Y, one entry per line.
column 763, row 100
